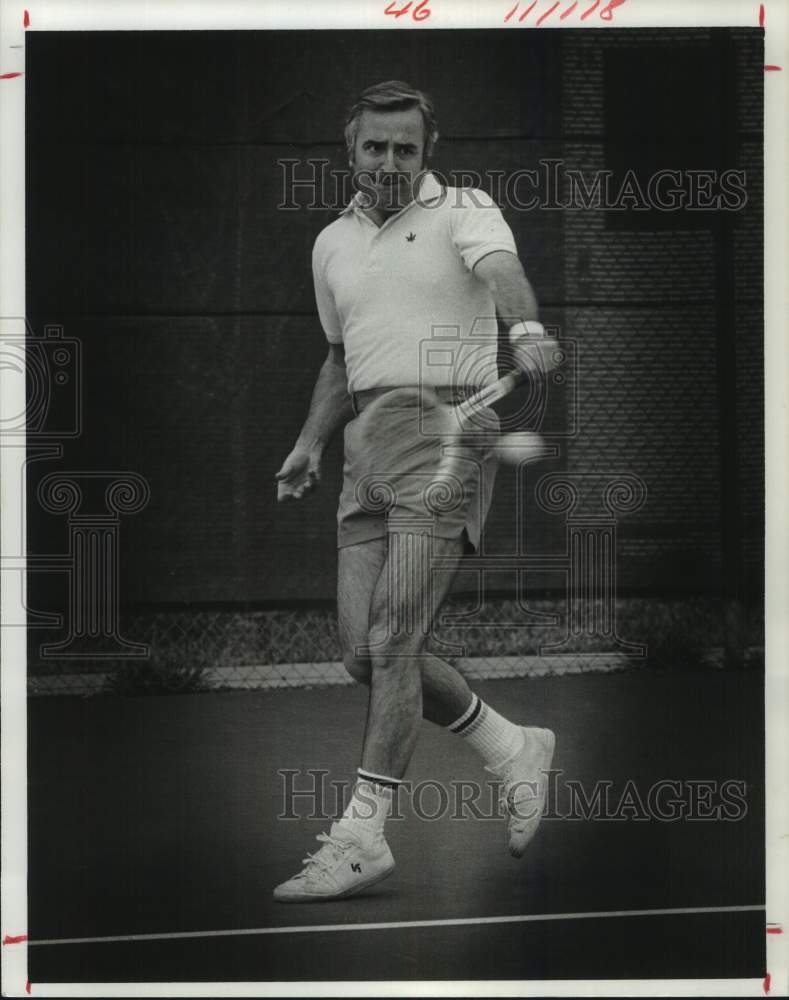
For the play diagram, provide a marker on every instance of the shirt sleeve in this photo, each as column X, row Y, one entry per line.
column 478, row 227
column 327, row 310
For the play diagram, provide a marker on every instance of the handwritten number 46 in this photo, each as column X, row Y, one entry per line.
column 419, row 13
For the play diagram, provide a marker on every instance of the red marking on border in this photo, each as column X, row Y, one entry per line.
column 10, row 76
column 607, row 13
column 568, row 11
column 761, row 15
column 591, row 10
column 775, row 930
column 547, row 13
column 766, row 983
column 528, row 11
column 770, row 66
column 508, row 16
column 28, row 987
column 14, row 938
column 26, row 19
column 398, row 13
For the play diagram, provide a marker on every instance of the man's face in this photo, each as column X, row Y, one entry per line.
column 388, row 156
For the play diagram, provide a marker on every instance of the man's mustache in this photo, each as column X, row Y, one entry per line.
column 382, row 178
column 390, row 180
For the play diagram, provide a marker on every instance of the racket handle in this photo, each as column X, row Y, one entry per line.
column 502, row 387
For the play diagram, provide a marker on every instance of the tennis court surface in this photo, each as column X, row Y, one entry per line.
column 157, row 817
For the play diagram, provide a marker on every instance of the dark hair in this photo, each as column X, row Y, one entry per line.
column 392, row 95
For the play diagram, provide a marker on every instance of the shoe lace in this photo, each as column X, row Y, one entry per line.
column 327, row 855
column 512, row 792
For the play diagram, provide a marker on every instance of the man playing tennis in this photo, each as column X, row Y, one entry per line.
column 406, row 256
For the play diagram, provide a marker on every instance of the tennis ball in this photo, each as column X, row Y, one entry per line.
column 520, row 446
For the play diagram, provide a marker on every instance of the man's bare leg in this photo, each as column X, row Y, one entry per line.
column 445, row 693
column 404, row 601
column 396, row 662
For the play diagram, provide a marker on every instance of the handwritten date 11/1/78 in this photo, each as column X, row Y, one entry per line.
column 543, row 11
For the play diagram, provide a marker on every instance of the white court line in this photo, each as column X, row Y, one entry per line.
column 399, row 925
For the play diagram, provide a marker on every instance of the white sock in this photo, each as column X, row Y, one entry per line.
column 369, row 807
column 495, row 738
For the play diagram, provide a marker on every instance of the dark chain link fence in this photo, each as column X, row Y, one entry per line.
column 194, row 650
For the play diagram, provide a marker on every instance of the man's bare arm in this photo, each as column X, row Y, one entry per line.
column 512, row 294
column 516, row 306
column 330, row 407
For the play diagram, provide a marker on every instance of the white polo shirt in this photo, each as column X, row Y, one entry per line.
column 403, row 298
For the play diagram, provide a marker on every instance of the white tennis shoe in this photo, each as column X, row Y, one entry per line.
column 525, row 788
column 342, row 867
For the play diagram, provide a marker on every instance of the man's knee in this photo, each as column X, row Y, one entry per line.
column 359, row 667
column 389, row 648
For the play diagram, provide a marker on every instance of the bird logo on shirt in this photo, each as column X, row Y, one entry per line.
column 411, row 237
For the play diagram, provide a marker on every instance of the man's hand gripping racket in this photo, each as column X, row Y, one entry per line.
column 533, row 354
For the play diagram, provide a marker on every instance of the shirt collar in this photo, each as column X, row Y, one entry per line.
column 429, row 190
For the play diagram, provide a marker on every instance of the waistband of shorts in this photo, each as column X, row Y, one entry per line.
column 445, row 393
